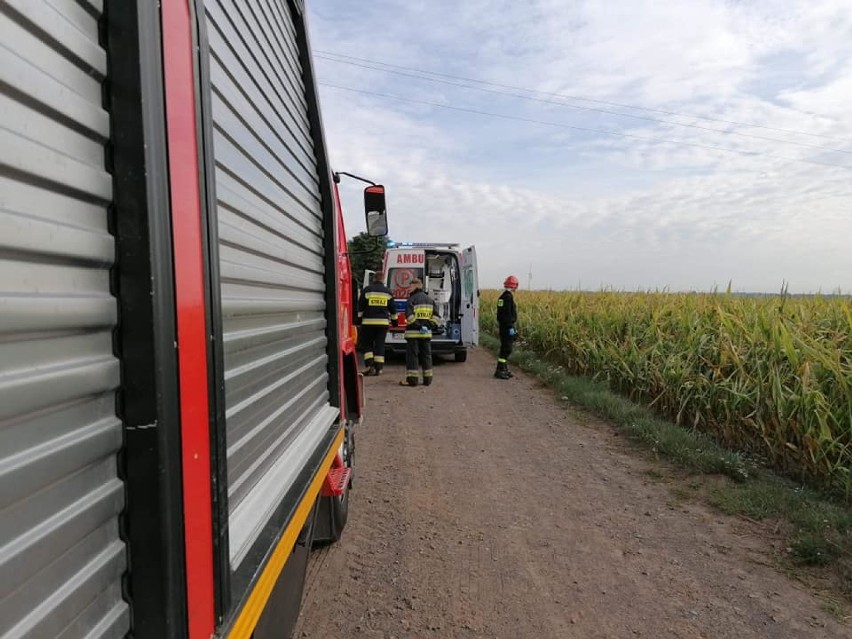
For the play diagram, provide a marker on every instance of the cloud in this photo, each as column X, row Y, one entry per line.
column 599, row 209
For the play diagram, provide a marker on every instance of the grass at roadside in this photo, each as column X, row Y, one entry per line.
column 817, row 528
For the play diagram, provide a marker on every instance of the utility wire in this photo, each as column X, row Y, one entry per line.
column 344, row 59
column 580, row 128
column 583, row 108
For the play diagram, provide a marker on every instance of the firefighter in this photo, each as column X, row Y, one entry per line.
column 507, row 315
column 374, row 312
column 421, row 316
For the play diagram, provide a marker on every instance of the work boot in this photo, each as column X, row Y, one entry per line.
column 408, row 381
column 370, row 372
column 503, row 375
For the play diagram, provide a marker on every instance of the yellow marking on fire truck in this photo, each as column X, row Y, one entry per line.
column 250, row 614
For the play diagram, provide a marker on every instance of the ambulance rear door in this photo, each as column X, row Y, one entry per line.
column 470, row 297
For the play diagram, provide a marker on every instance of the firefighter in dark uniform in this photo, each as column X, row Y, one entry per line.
column 507, row 315
column 374, row 312
column 421, row 316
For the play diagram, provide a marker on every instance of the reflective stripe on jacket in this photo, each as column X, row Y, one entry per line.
column 374, row 307
column 421, row 316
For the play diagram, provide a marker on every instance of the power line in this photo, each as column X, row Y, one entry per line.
column 580, row 128
column 583, row 108
column 576, row 97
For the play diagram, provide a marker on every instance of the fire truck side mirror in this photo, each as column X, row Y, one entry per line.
column 374, row 208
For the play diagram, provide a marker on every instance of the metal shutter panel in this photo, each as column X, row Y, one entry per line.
column 271, row 249
column 61, row 558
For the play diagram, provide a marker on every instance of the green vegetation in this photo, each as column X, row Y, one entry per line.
column 725, row 386
column 365, row 252
column 769, row 376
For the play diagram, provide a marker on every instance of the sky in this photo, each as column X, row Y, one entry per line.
column 576, row 143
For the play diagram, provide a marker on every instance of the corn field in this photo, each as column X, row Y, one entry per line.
column 768, row 375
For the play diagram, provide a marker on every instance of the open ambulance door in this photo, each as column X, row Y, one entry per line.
column 470, row 298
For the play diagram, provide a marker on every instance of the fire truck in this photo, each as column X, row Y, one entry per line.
column 178, row 380
column 450, row 277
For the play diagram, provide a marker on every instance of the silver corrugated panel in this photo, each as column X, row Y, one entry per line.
column 61, row 558
column 271, row 258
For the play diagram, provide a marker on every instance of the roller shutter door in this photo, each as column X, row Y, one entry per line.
column 271, row 249
column 61, row 557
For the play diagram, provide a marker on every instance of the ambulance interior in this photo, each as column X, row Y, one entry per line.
column 441, row 278
column 441, row 282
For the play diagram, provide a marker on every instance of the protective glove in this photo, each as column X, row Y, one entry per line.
column 512, row 332
column 424, row 329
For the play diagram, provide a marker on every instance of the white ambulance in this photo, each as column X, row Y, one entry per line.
column 449, row 276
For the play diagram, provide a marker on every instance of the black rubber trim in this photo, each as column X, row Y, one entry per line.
column 145, row 340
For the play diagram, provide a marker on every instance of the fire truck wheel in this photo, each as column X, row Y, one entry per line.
column 333, row 512
column 331, row 519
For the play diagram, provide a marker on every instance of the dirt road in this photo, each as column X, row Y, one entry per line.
column 484, row 508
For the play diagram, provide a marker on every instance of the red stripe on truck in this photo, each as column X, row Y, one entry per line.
column 179, row 77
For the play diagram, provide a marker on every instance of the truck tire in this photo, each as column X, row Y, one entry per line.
column 333, row 512
column 331, row 519
column 461, row 356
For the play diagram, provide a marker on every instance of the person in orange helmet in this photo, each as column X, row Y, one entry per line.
column 507, row 315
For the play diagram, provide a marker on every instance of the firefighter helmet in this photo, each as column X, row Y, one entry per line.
column 510, row 282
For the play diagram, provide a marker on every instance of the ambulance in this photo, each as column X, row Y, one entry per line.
column 449, row 275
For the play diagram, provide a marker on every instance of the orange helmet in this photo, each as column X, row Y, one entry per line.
column 510, row 282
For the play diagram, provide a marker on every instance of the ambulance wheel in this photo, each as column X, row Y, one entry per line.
column 461, row 356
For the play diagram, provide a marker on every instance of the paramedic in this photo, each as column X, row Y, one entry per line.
column 374, row 311
column 507, row 315
column 421, row 316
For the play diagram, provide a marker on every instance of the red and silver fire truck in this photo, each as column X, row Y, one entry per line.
column 178, row 381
